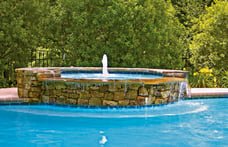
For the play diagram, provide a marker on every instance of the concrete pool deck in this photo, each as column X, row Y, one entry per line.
column 11, row 95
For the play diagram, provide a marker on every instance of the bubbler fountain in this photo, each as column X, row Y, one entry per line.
column 101, row 86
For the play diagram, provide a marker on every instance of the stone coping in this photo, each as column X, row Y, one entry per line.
column 129, row 81
column 112, row 69
column 54, row 74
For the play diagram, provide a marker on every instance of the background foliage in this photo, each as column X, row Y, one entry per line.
column 172, row 34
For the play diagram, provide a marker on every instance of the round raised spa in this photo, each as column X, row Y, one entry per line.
column 87, row 86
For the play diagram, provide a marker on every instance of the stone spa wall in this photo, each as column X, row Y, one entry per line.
column 45, row 85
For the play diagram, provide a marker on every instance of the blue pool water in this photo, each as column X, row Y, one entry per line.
column 202, row 122
column 79, row 75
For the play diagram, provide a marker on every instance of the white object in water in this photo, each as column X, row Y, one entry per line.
column 105, row 65
column 103, row 140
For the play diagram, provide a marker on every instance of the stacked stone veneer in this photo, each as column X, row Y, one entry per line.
column 46, row 86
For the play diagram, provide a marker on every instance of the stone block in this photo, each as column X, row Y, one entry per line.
column 52, row 100
column 34, row 94
column 70, row 91
column 104, row 88
column 34, row 100
column 134, row 87
column 131, row 94
column 20, row 85
column 161, row 87
column 20, row 91
column 19, row 80
column 37, row 89
column 36, row 83
column 51, row 86
column 141, row 102
column 141, row 97
column 96, row 88
column 27, row 86
column 33, row 78
column 133, row 102
column 45, row 99
column 151, row 99
column 74, row 96
column 158, row 94
column 60, row 86
column 60, row 100
column 174, row 95
column 64, row 94
column 72, row 86
column 83, row 102
column 123, row 102
column 152, row 91
column 109, row 103
column 118, row 86
column 119, row 95
column 96, row 94
column 112, row 88
column 71, row 101
column 165, row 94
column 159, row 101
column 19, row 73
column 44, row 75
column 29, row 72
column 84, row 95
column 57, row 92
column 95, row 102
column 25, row 93
column 108, row 96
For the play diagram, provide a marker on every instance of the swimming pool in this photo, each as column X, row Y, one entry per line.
column 112, row 75
column 200, row 122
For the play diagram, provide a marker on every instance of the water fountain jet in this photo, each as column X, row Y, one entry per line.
column 105, row 65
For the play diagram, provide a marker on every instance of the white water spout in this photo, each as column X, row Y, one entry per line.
column 105, row 65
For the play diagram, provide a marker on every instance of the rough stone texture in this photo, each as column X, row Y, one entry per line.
column 119, row 95
column 159, row 101
column 71, row 101
column 96, row 94
column 45, row 99
column 108, row 96
column 113, row 88
column 165, row 94
column 123, row 102
column 143, row 91
column 84, row 95
column 95, row 102
column 109, row 103
column 131, row 94
column 83, row 102
column 133, row 102
column 45, row 86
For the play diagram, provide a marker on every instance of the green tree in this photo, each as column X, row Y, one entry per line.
column 22, row 29
column 133, row 33
column 209, row 46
